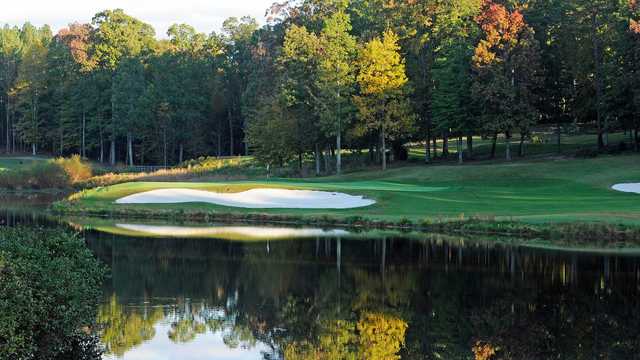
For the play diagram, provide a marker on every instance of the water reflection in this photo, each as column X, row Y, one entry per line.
column 333, row 298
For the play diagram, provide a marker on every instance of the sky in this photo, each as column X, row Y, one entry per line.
column 204, row 15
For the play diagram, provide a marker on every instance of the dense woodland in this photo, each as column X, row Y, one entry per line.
column 322, row 77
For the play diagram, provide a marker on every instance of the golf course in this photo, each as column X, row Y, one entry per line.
column 562, row 190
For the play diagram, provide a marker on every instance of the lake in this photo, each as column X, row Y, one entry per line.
column 257, row 292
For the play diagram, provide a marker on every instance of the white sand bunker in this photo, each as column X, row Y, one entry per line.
column 629, row 188
column 252, row 199
column 231, row 232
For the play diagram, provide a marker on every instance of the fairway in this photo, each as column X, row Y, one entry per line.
column 564, row 190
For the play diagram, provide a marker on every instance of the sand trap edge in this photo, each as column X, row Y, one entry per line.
column 258, row 198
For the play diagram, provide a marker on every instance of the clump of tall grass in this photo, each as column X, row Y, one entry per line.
column 76, row 169
column 203, row 167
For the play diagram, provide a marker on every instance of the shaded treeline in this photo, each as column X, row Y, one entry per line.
column 324, row 76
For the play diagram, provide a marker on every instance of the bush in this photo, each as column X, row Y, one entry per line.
column 50, row 285
column 75, row 168
column 39, row 175
column 55, row 174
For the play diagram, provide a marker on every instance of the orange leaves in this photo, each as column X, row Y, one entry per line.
column 502, row 30
column 634, row 26
column 483, row 351
column 76, row 38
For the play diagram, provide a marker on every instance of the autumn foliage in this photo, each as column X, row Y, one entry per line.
column 501, row 29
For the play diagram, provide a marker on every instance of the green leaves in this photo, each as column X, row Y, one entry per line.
column 49, row 285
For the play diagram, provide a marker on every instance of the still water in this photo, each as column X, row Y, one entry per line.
column 325, row 294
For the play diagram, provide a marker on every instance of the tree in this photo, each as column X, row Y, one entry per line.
column 10, row 45
column 299, row 62
column 451, row 105
column 30, row 84
column 118, row 36
column 271, row 133
column 336, row 78
column 382, row 103
column 128, row 90
column 505, row 66
column 237, row 34
column 51, row 284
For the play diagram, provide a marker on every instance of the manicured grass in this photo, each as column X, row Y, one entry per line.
column 563, row 190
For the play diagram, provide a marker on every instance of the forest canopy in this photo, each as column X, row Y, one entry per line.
column 321, row 77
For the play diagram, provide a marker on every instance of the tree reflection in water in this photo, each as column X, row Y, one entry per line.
column 376, row 299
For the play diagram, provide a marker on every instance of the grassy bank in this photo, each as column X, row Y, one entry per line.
column 520, row 195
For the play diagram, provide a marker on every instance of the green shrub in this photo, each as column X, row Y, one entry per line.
column 46, row 175
column 54, row 174
column 50, row 285
column 39, row 175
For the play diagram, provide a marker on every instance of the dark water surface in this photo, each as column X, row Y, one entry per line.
column 334, row 296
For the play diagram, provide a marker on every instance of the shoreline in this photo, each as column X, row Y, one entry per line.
column 579, row 232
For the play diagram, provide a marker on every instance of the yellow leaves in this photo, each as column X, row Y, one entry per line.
column 376, row 336
column 382, row 68
column 381, row 336
column 299, row 45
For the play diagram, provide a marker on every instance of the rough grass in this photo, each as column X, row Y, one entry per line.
column 15, row 163
column 561, row 191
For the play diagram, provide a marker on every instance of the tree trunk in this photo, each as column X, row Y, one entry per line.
column 35, row 126
column 469, row 146
column 339, row 140
column 300, row 162
column 180, row 153
column 338, row 153
column 636, row 139
column 521, row 149
column 459, row 149
column 113, row 129
column 507, row 146
column 384, row 149
column 101, row 147
column 559, row 137
column 317, row 158
column 130, row 149
column 164, row 146
column 326, row 160
column 427, row 148
column 445, row 144
column 8, row 109
column 112, row 151
column 230, row 133
column 435, row 147
column 83, row 149
column 493, row 145
column 598, row 78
